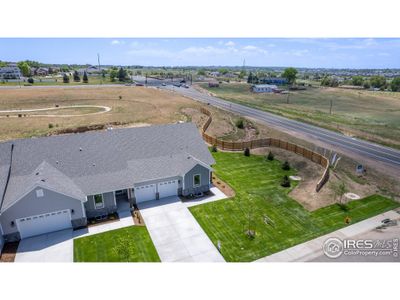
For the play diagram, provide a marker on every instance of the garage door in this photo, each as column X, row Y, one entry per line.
column 168, row 188
column 40, row 224
column 145, row 193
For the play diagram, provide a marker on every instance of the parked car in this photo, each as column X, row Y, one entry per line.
column 139, row 84
column 186, row 86
column 164, row 84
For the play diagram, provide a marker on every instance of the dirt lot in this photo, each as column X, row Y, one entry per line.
column 138, row 105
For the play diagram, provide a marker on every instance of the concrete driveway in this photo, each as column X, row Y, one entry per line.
column 175, row 232
column 52, row 247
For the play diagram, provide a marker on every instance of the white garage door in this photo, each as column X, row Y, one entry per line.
column 145, row 193
column 40, row 224
column 168, row 188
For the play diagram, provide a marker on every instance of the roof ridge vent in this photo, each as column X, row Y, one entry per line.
column 80, row 149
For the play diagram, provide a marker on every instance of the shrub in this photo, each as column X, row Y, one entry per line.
column 270, row 156
column 51, row 125
column 120, row 97
column 214, row 148
column 240, row 124
column 30, row 80
column 343, row 206
column 286, row 166
column 285, row 181
column 65, row 78
column 247, row 152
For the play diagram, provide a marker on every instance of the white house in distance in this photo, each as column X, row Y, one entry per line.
column 10, row 72
column 264, row 88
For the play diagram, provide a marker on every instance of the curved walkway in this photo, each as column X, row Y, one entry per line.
column 104, row 110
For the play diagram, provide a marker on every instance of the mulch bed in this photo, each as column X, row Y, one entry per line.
column 9, row 252
column 137, row 217
column 224, row 187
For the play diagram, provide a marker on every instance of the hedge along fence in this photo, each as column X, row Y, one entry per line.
column 267, row 142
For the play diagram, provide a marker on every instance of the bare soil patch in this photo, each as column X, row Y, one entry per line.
column 9, row 252
column 223, row 186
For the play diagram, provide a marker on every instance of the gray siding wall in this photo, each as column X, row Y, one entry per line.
column 1, row 240
column 30, row 205
column 189, row 187
column 109, row 206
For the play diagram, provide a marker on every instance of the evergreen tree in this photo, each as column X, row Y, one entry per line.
column 85, row 77
column 76, row 76
column 65, row 78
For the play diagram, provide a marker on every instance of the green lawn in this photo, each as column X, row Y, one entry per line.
column 258, row 193
column 129, row 244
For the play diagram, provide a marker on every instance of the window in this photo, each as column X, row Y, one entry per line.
column 196, row 180
column 39, row 193
column 98, row 201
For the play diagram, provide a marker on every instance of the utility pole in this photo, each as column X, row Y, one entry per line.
column 287, row 98
column 330, row 107
column 101, row 73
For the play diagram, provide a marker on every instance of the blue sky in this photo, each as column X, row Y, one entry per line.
column 297, row 52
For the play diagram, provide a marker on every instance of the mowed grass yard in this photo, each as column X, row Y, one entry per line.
column 370, row 115
column 106, row 247
column 260, row 196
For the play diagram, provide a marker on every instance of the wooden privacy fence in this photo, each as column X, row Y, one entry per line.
column 267, row 142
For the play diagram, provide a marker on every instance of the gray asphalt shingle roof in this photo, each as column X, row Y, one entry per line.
column 94, row 162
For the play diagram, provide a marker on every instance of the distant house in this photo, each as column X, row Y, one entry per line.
column 10, row 72
column 215, row 74
column 264, row 88
column 213, row 84
column 273, row 80
column 39, row 71
column 91, row 70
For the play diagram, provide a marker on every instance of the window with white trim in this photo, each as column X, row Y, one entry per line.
column 98, row 201
column 196, row 180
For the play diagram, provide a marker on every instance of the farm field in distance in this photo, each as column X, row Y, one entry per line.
column 374, row 116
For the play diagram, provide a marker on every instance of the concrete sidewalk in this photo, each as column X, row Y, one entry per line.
column 312, row 249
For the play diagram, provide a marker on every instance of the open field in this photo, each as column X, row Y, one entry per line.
column 137, row 106
column 259, row 197
column 374, row 116
column 107, row 246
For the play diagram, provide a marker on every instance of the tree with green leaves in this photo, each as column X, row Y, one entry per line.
column 76, row 76
column 3, row 64
column 122, row 74
column 357, row 80
column 378, row 82
column 65, row 78
column 85, row 78
column 290, row 74
column 242, row 74
column 25, row 68
column 113, row 74
column 201, row 72
column 250, row 78
column 395, row 84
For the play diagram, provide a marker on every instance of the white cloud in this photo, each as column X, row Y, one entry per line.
column 230, row 44
column 117, row 42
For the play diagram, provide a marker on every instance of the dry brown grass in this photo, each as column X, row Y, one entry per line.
column 138, row 105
